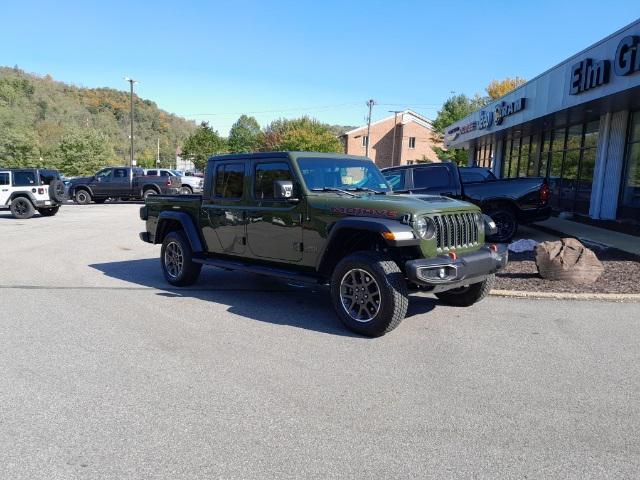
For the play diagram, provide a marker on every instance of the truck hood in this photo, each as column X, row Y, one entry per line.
column 390, row 206
column 81, row 180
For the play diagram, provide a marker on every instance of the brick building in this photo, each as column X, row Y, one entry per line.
column 414, row 140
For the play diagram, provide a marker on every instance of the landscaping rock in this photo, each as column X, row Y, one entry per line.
column 569, row 260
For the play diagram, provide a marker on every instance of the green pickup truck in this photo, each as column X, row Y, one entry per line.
column 327, row 219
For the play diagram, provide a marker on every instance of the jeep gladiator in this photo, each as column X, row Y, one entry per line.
column 327, row 219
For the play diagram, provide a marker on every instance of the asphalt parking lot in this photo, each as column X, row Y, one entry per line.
column 107, row 373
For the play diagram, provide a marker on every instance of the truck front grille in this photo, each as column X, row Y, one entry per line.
column 456, row 230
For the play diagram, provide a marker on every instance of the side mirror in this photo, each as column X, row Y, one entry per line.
column 283, row 190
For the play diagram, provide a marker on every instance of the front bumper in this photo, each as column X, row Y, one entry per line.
column 145, row 237
column 443, row 273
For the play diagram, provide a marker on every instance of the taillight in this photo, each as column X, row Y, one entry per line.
column 544, row 193
column 41, row 191
column 168, row 182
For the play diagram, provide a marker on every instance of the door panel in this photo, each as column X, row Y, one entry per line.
column 274, row 226
column 101, row 185
column 5, row 184
column 224, row 215
column 120, row 183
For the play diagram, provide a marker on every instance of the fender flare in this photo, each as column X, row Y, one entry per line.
column 22, row 193
column 73, row 188
column 404, row 233
column 188, row 225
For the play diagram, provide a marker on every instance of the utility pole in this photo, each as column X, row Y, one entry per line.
column 131, row 82
column 370, row 104
column 158, row 156
column 395, row 124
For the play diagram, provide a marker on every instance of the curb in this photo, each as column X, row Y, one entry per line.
column 609, row 297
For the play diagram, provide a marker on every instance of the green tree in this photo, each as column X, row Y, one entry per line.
column 245, row 135
column 301, row 134
column 203, row 143
column 455, row 108
column 83, row 153
column 18, row 148
column 499, row 88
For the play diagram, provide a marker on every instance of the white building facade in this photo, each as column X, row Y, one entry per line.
column 578, row 124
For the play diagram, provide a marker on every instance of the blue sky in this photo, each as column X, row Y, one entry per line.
column 214, row 60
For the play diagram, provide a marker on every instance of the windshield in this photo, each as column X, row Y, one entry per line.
column 341, row 173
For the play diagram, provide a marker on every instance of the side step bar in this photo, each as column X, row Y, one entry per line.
column 258, row 269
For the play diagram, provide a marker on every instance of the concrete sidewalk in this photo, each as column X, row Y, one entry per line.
column 581, row 231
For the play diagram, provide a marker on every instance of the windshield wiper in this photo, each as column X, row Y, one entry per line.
column 331, row 189
column 367, row 189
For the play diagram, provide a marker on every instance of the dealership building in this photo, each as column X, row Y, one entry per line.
column 578, row 124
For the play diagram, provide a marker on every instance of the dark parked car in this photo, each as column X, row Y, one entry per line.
column 509, row 202
column 121, row 182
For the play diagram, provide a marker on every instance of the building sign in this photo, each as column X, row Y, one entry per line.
column 588, row 74
column 504, row 109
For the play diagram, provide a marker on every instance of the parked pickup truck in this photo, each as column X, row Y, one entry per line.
column 509, row 202
column 120, row 182
column 327, row 219
column 190, row 184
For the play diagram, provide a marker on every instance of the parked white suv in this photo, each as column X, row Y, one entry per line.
column 189, row 184
column 25, row 190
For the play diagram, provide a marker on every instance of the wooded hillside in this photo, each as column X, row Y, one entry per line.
column 48, row 123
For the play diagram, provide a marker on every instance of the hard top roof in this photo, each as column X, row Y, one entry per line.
column 292, row 155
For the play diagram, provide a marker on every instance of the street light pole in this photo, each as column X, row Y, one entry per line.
column 370, row 104
column 131, row 82
column 395, row 124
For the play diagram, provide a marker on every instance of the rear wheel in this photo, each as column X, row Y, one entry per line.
column 186, row 190
column 176, row 259
column 48, row 212
column 469, row 294
column 506, row 222
column 149, row 192
column 82, row 197
column 369, row 293
column 22, row 208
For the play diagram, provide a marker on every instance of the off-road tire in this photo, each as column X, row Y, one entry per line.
column 185, row 190
column 190, row 271
column 22, row 208
column 149, row 192
column 48, row 212
column 394, row 298
column 507, row 223
column 467, row 296
column 56, row 191
column 82, row 197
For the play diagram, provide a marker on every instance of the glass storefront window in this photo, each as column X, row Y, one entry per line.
column 631, row 183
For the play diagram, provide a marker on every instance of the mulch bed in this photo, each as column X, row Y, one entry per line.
column 621, row 275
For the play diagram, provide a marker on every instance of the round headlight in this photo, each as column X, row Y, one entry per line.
column 424, row 227
column 479, row 217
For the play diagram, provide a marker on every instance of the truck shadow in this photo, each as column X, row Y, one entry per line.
column 264, row 299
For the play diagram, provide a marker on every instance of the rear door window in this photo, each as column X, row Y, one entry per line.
column 432, row 177
column 24, row 179
column 229, row 180
column 47, row 176
column 395, row 178
column 152, row 173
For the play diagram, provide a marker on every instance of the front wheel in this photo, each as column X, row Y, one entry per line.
column 369, row 293
column 82, row 197
column 176, row 259
column 467, row 295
